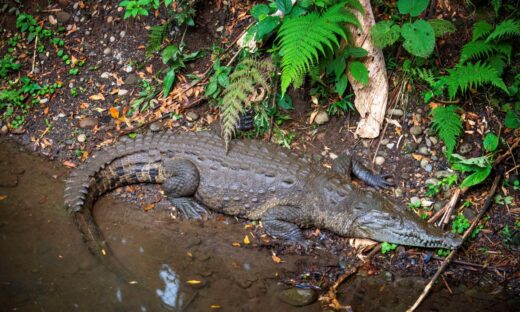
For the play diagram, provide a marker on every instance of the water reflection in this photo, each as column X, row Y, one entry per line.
column 171, row 295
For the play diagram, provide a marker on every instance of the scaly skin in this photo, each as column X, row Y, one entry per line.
column 254, row 180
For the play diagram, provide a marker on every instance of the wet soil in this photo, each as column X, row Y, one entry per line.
column 182, row 264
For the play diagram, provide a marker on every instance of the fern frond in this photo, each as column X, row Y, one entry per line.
column 448, row 124
column 425, row 74
column 476, row 49
column 304, row 39
column 510, row 27
column 497, row 63
column 505, row 50
column 156, row 36
column 441, row 27
column 472, row 76
column 481, row 29
column 243, row 81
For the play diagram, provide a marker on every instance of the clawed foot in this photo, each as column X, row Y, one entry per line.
column 189, row 208
column 380, row 181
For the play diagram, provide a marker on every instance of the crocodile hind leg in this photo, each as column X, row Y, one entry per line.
column 346, row 165
column 181, row 185
column 279, row 222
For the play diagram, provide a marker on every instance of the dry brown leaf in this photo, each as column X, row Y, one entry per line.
column 246, row 240
column 149, row 69
column 313, row 116
column 235, row 244
column 69, row 164
column 97, row 97
column 149, row 207
column 215, row 306
column 114, row 112
column 276, row 259
column 418, row 157
column 2, row 197
column 194, row 282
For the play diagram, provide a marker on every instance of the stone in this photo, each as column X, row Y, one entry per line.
column 465, row 148
column 122, row 92
column 321, row 118
column 380, row 160
column 112, row 39
column 107, row 51
column 396, row 112
column 4, row 130
column 439, row 205
column 88, row 122
column 384, row 141
column 122, row 34
column 398, row 192
column 469, row 214
column 441, row 174
column 131, row 79
column 415, row 201
column 423, row 150
column 415, row 130
column 192, row 116
column 156, row 126
column 81, row 138
column 298, row 297
column 434, row 140
column 432, row 181
column 409, row 147
column 390, row 145
column 424, row 162
column 63, row 16
column 110, row 19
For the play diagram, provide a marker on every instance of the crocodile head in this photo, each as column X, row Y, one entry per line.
column 380, row 219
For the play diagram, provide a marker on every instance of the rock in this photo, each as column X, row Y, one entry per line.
column 81, row 138
column 469, row 214
column 389, row 277
column 69, row 141
column 122, row 34
column 380, row 160
column 317, row 157
column 63, row 16
column 112, row 39
column 88, row 122
column 465, row 148
column 220, row 29
column 156, row 126
column 385, row 141
column 131, row 79
column 129, row 69
column 432, row 181
column 107, row 51
column 438, row 205
column 4, row 130
column 390, row 145
column 321, row 118
column 415, row 201
column 122, row 92
column 395, row 112
column 424, row 162
column 298, row 297
column 409, row 147
column 398, row 192
column 105, row 75
column 110, row 19
column 192, row 116
column 423, row 150
column 434, row 140
column 18, row 131
column 441, row 174
column 415, row 130
column 428, row 167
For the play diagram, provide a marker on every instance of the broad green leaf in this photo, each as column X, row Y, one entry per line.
column 341, row 85
column 441, row 27
column 266, row 26
column 356, row 52
column 419, row 38
column 490, row 142
column 481, row 162
column 385, row 33
column 285, row 102
column 412, row 7
column 169, row 53
column 169, row 79
column 284, row 5
column 260, row 11
column 476, row 177
column 211, row 88
column 512, row 120
column 359, row 71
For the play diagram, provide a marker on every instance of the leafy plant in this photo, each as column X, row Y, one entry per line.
column 218, row 81
column 433, row 189
column 387, row 247
column 418, row 35
column 176, row 59
column 304, row 39
column 243, row 83
column 460, row 224
column 145, row 99
column 447, row 123
column 443, row 252
column 138, row 7
column 7, row 65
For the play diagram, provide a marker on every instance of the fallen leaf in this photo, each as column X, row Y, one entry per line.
column 246, row 240
column 69, row 164
column 149, row 69
column 313, row 116
column 114, row 112
column 417, row 156
column 149, row 207
column 248, row 226
column 2, row 197
column 97, row 97
column 235, row 244
column 276, row 259
column 193, row 282
column 215, row 306
column 53, row 20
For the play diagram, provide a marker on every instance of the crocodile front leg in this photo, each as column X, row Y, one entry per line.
column 280, row 222
column 181, row 185
column 346, row 165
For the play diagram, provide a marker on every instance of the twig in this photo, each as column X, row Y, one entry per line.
column 379, row 143
column 451, row 206
column 487, row 204
column 273, row 104
column 34, row 53
column 509, row 152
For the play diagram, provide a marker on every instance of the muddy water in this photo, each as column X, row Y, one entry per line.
column 181, row 265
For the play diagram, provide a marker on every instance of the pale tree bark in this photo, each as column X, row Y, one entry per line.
column 371, row 99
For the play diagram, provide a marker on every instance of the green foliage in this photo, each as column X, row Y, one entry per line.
column 7, row 65
column 137, row 7
column 218, row 81
column 304, row 39
column 146, row 99
column 478, row 167
column 507, row 28
column 387, row 247
column 490, row 142
column 480, row 30
column 419, row 38
column 385, row 33
column 503, row 200
column 433, row 189
column 441, row 27
column 460, row 224
column 476, row 49
column 242, row 85
column 156, row 36
column 443, row 252
column 447, row 123
column 359, row 71
column 176, row 59
column 412, row 7
column 470, row 75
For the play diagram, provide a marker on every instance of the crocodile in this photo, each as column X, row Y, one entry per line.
column 253, row 180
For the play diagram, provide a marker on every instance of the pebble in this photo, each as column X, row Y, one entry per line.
column 122, row 34
column 424, row 162
column 390, row 145
column 220, row 29
column 4, row 130
column 428, row 167
column 438, row 205
column 384, row 141
column 396, row 112
column 192, row 116
column 415, row 201
column 321, row 118
column 441, row 174
column 434, row 140
column 423, row 150
column 298, row 297
column 415, row 130
column 107, row 51
column 469, row 214
column 122, row 92
column 129, row 69
column 82, row 138
column 88, row 122
column 76, row 5
column 465, row 148
column 156, row 126
column 409, row 147
column 105, row 75
column 63, row 16
column 110, row 19
column 389, row 277
column 398, row 192
column 380, row 160
column 432, row 181
column 112, row 39
column 131, row 79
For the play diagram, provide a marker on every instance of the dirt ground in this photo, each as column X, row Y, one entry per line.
column 115, row 61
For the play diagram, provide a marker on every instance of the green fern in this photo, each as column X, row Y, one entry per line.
column 242, row 85
column 507, row 28
column 480, row 30
column 476, row 49
column 304, row 39
column 448, row 124
column 470, row 75
column 156, row 36
column 441, row 27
